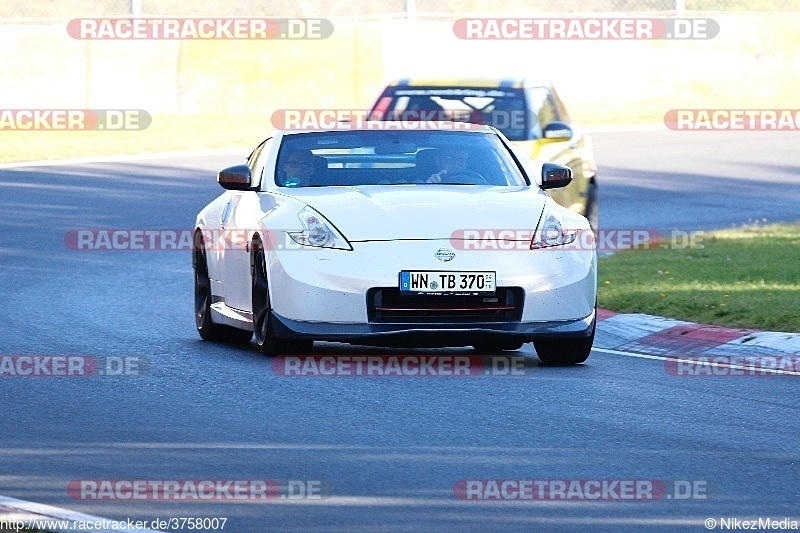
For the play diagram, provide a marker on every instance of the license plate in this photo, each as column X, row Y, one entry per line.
column 436, row 281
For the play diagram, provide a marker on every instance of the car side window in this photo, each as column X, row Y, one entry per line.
column 254, row 154
column 543, row 108
column 547, row 113
column 258, row 162
column 563, row 116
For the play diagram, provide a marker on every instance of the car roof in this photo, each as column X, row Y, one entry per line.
column 504, row 83
column 426, row 126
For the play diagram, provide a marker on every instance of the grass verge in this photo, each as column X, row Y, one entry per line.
column 746, row 277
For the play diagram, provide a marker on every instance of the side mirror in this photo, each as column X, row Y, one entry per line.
column 557, row 131
column 555, row 176
column 235, row 178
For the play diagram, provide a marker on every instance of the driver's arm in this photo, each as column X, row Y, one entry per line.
column 436, row 178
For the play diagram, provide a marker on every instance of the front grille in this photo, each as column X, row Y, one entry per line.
column 390, row 305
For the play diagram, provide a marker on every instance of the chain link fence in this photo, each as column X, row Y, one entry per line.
column 421, row 9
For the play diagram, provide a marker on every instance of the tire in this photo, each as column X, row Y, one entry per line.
column 565, row 351
column 506, row 346
column 592, row 205
column 263, row 321
column 208, row 330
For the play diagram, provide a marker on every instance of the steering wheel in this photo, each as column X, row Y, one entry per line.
column 471, row 177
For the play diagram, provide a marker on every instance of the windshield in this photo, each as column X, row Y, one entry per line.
column 499, row 107
column 351, row 158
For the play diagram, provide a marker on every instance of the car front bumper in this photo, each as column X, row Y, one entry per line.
column 432, row 334
column 331, row 286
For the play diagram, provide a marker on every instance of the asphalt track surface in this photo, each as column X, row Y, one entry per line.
column 690, row 180
column 388, row 450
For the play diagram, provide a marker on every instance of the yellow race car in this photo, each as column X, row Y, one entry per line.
column 528, row 112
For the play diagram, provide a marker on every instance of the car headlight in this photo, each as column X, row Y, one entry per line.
column 551, row 232
column 318, row 231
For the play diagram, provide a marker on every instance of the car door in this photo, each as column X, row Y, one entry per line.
column 238, row 225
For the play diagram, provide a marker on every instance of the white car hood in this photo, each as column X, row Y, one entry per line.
column 424, row 212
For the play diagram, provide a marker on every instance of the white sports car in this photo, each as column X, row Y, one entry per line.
column 414, row 237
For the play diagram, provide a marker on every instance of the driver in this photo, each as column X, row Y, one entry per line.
column 298, row 168
column 448, row 161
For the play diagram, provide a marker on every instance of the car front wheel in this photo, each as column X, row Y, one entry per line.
column 565, row 350
column 592, row 206
column 263, row 321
